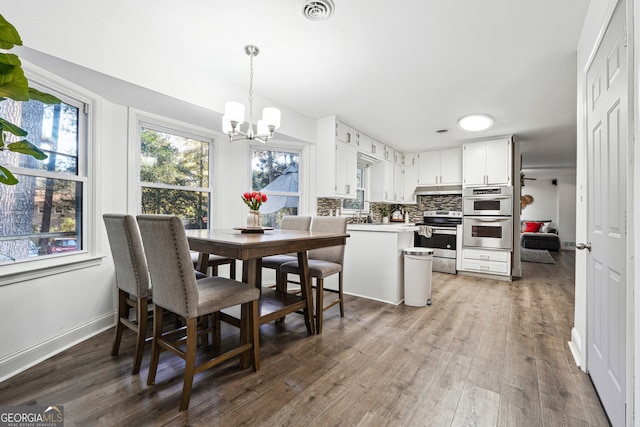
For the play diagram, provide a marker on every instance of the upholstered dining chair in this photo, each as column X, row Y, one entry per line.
column 323, row 263
column 132, row 280
column 214, row 262
column 175, row 289
column 289, row 222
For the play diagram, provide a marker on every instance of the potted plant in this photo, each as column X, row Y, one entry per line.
column 384, row 213
column 14, row 85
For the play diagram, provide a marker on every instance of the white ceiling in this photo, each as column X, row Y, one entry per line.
column 398, row 70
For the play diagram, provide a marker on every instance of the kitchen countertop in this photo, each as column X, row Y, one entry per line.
column 399, row 227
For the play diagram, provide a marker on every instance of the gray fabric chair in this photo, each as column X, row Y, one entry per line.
column 289, row 222
column 214, row 262
column 323, row 263
column 176, row 290
column 132, row 280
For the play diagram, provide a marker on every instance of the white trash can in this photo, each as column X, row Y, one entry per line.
column 418, row 264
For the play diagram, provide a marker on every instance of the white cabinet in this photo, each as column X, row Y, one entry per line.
column 409, row 178
column 373, row 263
column 346, row 133
column 487, row 163
column 346, row 170
column 496, row 262
column 381, row 182
column 377, row 149
column 440, row 167
column 336, row 160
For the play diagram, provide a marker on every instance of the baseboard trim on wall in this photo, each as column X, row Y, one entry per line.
column 575, row 345
column 22, row 360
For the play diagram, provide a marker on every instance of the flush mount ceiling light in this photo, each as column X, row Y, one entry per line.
column 234, row 113
column 317, row 10
column 475, row 122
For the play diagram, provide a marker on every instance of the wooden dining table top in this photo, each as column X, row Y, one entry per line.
column 245, row 246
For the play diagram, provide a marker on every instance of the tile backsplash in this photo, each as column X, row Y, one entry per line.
column 449, row 202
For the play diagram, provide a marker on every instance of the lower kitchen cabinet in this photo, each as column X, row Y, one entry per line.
column 373, row 262
column 486, row 261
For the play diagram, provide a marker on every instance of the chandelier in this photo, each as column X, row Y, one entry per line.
column 234, row 113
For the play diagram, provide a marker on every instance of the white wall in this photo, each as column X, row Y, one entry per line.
column 545, row 200
column 567, row 211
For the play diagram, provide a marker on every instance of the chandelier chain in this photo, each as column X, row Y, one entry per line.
column 251, row 55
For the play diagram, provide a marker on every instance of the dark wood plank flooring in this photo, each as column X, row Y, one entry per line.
column 486, row 353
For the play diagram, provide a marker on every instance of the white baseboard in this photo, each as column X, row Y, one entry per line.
column 575, row 345
column 22, row 360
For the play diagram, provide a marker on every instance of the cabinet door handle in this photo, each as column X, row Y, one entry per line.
column 347, row 189
column 348, row 137
column 373, row 149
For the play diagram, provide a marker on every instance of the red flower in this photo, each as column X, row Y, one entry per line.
column 254, row 199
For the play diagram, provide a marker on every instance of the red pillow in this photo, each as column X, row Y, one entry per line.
column 532, row 227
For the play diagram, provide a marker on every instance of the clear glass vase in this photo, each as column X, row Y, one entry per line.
column 254, row 219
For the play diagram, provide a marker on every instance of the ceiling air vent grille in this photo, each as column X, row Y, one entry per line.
column 318, row 10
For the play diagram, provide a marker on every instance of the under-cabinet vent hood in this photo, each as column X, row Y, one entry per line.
column 438, row 189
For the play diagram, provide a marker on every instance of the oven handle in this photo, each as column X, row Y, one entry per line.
column 444, row 230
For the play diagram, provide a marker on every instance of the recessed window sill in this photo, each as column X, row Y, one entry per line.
column 29, row 269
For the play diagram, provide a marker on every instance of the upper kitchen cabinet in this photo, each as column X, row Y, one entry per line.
column 377, row 149
column 346, row 133
column 381, row 182
column 441, row 167
column 409, row 178
column 487, row 163
column 336, row 160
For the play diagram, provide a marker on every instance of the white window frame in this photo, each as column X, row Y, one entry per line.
column 139, row 119
column 366, row 205
column 271, row 146
column 88, row 152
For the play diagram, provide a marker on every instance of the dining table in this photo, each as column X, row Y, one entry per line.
column 251, row 247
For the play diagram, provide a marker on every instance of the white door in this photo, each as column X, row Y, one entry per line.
column 606, row 211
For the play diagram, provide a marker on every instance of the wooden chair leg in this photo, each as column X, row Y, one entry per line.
column 319, row 304
column 255, row 335
column 341, row 294
column 232, row 269
column 216, row 335
column 123, row 312
column 141, row 334
column 155, row 347
column 190, row 359
column 281, row 286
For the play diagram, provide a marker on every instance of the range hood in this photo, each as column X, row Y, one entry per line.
column 434, row 190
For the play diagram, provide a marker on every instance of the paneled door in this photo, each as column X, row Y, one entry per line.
column 607, row 121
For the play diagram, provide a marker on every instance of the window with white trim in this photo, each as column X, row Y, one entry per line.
column 276, row 173
column 358, row 204
column 45, row 213
column 175, row 168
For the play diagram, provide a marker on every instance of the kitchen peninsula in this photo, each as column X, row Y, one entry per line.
column 373, row 265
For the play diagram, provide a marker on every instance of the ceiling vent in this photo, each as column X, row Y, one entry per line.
column 317, row 10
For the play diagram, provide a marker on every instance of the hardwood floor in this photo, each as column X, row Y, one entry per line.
column 485, row 353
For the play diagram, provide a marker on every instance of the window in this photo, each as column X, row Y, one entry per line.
column 358, row 203
column 44, row 213
column 276, row 174
column 174, row 174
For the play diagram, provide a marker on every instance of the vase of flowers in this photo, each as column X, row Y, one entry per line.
column 254, row 200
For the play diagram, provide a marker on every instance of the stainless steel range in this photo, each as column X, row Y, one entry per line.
column 440, row 232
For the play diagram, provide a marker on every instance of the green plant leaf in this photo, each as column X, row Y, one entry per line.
column 25, row 147
column 6, row 126
column 9, row 36
column 7, row 177
column 45, row 98
column 13, row 83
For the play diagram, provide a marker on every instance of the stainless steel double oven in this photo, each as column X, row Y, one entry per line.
column 488, row 219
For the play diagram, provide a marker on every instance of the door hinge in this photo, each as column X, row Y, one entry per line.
column 625, row 33
column 85, row 108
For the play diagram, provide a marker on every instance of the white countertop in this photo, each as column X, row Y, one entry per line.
column 398, row 227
